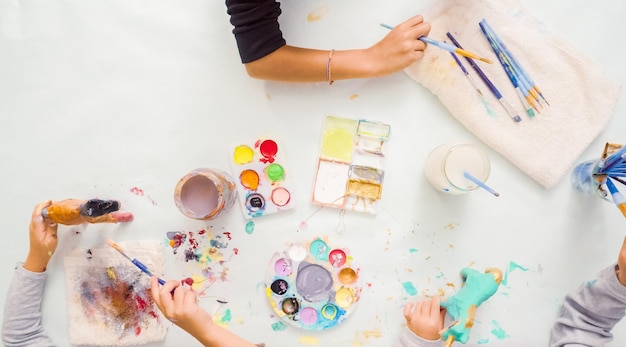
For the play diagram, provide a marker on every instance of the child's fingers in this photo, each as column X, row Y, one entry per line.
column 191, row 299
column 408, row 311
column 39, row 208
column 154, row 290
column 435, row 307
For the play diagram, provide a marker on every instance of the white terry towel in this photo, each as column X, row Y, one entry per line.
column 582, row 98
column 109, row 301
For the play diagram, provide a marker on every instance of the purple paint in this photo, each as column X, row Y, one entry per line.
column 283, row 267
column 205, row 194
column 308, row 315
column 314, row 282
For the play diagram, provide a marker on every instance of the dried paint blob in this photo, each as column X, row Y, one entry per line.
column 297, row 252
column 243, row 154
column 329, row 311
column 337, row 257
column 347, row 276
column 275, row 172
column 308, row 315
column 249, row 227
column 290, row 306
column 344, row 297
column 268, row 149
column 282, row 267
column 312, row 285
column 279, row 287
column 249, row 179
column 319, row 249
column 314, row 282
column 281, row 196
column 255, row 202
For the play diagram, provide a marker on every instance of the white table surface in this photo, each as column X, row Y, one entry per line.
column 97, row 97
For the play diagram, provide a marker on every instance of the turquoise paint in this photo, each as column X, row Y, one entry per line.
column 249, row 227
column 412, row 250
column 441, row 275
column 488, row 109
column 513, row 266
column 226, row 317
column 409, row 288
column 498, row 331
column 482, row 341
column 591, row 283
column 279, row 326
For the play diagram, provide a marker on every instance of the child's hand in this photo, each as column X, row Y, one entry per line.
column 425, row 318
column 400, row 48
column 621, row 263
column 43, row 240
column 181, row 307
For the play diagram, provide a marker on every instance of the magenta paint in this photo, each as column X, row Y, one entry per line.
column 205, row 193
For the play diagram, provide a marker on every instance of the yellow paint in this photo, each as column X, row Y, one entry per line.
column 354, row 96
column 308, row 340
column 317, row 14
column 372, row 333
column 243, row 154
column 344, row 297
column 365, row 189
column 337, row 144
column 197, row 281
column 111, row 273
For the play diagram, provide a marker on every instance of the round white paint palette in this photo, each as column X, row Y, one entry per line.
column 312, row 285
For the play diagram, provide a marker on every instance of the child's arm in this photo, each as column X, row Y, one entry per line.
column 590, row 313
column 21, row 325
column 424, row 321
column 266, row 55
column 182, row 309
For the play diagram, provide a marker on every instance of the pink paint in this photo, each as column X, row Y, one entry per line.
column 281, row 196
column 205, row 194
column 137, row 191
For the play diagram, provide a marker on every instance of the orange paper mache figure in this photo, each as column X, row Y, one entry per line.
column 75, row 211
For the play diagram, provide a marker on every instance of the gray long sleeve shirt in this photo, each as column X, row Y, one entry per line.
column 590, row 313
column 21, row 324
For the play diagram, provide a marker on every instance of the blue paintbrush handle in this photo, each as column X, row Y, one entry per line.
column 145, row 270
column 480, row 72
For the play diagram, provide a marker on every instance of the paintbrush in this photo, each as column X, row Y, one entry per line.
column 137, row 263
column 480, row 183
column 509, row 71
column 466, row 73
column 446, row 46
column 534, row 89
column 516, row 118
column 618, row 198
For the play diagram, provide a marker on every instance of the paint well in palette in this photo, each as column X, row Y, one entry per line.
column 312, row 285
column 262, row 178
column 351, row 160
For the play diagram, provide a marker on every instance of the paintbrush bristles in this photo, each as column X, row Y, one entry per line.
column 118, row 248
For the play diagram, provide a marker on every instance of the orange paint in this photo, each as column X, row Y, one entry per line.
column 249, row 179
